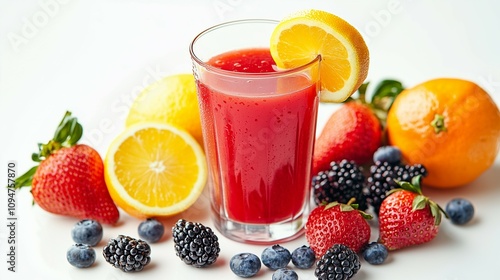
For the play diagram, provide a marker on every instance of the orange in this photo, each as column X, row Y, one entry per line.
column 451, row 126
column 301, row 37
column 154, row 169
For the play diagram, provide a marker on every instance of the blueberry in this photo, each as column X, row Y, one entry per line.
column 151, row 230
column 460, row 211
column 87, row 232
column 303, row 257
column 80, row 255
column 245, row 264
column 276, row 257
column 390, row 154
column 285, row 274
column 375, row 253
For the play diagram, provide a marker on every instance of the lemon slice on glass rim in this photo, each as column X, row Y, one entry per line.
column 301, row 37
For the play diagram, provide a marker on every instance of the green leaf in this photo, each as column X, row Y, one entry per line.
column 362, row 92
column 363, row 87
column 36, row 157
column 76, row 134
column 436, row 213
column 25, row 179
column 63, row 129
column 331, row 204
column 346, row 208
column 406, row 186
column 385, row 93
column 416, row 182
column 65, row 117
column 419, row 202
column 365, row 215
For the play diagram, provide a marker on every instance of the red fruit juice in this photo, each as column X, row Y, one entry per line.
column 261, row 174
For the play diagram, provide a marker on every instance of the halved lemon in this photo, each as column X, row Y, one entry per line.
column 302, row 36
column 155, row 170
column 171, row 100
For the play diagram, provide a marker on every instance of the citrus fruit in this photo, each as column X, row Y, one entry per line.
column 451, row 126
column 171, row 100
column 302, row 36
column 154, row 169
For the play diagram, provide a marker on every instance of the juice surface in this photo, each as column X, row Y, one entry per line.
column 259, row 146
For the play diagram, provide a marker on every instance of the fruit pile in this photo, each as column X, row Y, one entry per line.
column 371, row 157
column 389, row 179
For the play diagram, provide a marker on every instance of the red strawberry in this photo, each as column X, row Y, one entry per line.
column 353, row 132
column 337, row 223
column 407, row 217
column 70, row 177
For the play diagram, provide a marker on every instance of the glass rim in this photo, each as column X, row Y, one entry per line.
column 281, row 72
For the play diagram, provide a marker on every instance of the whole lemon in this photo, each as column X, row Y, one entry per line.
column 451, row 126
column 171, row 100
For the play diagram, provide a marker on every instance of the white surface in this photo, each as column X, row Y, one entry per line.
column 93, row 57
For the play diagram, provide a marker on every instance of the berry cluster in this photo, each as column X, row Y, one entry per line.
column 124, row 252
column 383, row 177
column 345, row 179
column 86, row 234
column 275, row 258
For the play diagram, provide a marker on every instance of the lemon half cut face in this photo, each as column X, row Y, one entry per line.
column 154, row 169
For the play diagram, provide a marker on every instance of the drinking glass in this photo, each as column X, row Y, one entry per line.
column 258, row 133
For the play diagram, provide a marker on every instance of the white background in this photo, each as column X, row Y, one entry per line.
column 93, row 57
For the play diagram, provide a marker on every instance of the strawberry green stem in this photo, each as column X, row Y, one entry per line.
column 420, row 201
column 67, row 134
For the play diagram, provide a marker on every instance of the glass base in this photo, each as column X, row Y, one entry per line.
column 261, row 233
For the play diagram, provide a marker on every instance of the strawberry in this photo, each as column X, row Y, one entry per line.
column 70, row 177
column 337, row 223
column 407, row 217
column 352, row 132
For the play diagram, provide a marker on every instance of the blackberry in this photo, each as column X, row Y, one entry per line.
column 195, row 244
column 127, row 253
column 381, row 180
column 343, row 181
column 339, row 262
